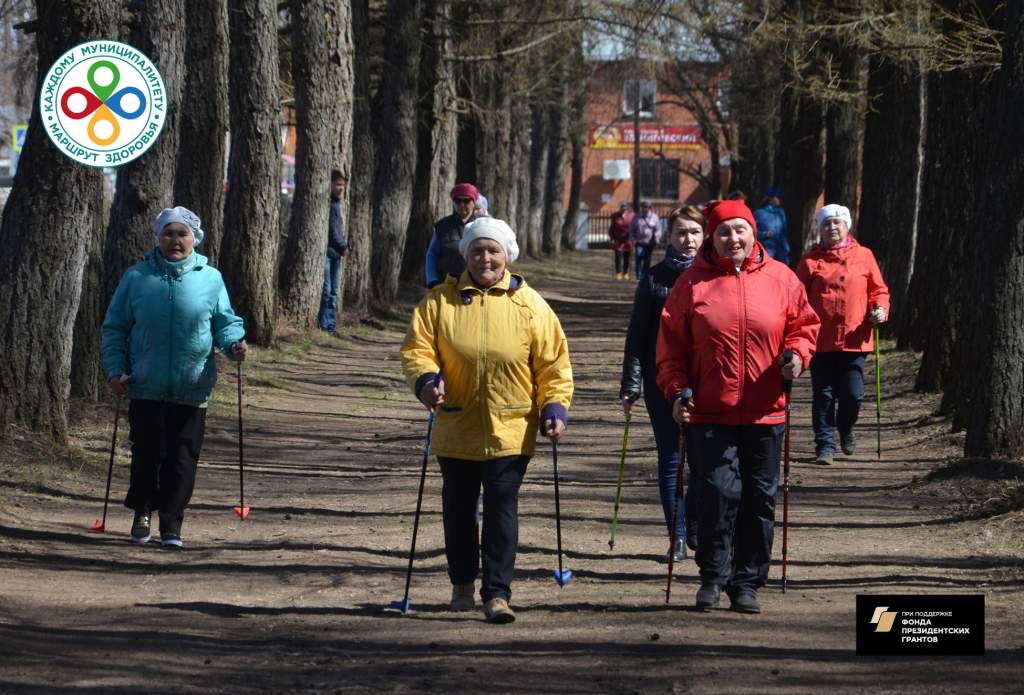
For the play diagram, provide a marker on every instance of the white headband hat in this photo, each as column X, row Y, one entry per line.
column 490, row 228
column 833, row 210
column 179, row 215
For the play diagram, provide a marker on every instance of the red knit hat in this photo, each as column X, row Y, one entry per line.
column 719, row 211
column 465, row 190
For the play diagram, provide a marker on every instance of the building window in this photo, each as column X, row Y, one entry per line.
column 648, row 97
column 659, row 178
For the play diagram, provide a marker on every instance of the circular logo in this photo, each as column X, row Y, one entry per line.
column 103, row 103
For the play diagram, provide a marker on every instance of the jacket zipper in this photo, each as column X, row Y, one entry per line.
column 170, row 337
column 743, row 333
column 481, row 373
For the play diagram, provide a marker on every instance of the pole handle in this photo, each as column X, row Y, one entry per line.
column 787, row 384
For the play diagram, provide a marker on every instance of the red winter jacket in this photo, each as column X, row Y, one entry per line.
column 843, row 286
column 618, row 230
column 723, row 331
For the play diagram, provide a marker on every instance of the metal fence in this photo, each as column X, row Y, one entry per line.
column 598, row 223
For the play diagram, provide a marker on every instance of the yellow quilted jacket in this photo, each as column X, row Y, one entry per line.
column 505, row 360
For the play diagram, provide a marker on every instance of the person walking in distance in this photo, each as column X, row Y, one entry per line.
column 772, row 227
column 846, row 289
column 443, row 256
column 645, row 232
column 505, row 366
column 168, row 313
column 622, row 244
column 337, row 249
column 724, row 329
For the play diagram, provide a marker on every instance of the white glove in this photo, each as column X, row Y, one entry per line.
column 878, row 315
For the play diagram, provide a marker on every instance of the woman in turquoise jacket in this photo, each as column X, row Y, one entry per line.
column 166, row 315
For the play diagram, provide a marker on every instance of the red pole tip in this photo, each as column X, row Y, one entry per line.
column 242, row 512
column 97, row 527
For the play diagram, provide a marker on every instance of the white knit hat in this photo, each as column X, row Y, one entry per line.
column 490, row 228
column 833, row 210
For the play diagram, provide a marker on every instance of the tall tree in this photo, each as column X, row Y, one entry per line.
column 396, row 133
column 323, row 84
column 558, row 158
column 994, row 328
column 202, row 151
column 844, row 127
column 146, row 185
column 799, row 166
column 539, row 150
column 87, row 379
column 356, row 276
column 250, row 245
column 45, row 233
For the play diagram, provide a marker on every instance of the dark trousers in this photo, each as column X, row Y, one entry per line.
column 166, row 441
column 666, row 439
column 738, row 472
column 837, row 380
column 622, row 261
column 501, row 479
column 643, row 259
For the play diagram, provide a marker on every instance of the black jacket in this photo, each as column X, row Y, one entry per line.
column 448, row 231
column 336, row 242
column 642, row 337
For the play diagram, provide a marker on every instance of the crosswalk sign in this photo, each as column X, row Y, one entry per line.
column 18, row 136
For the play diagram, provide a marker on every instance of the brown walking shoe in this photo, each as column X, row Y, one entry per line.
column 462, row 597
column 497, row 611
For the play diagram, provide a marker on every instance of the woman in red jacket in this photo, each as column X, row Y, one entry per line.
column 846, row 289
column 723, row 331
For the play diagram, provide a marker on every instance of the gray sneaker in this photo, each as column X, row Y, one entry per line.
column 824, row 458
column 848, row 444
column 140, row 528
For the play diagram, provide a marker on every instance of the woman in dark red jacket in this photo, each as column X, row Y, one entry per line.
column 723, row 331
column 846, row 289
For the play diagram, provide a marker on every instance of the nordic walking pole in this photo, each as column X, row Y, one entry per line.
column 878, row 396
column 618, row 486
column 100, row 526
column 562, row 577
column 241, row 510
column 787, row 387
column 685, row 397
column 404, row 605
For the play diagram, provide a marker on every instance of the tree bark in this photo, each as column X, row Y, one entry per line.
column 318, row 67
column 202, row 150
column 251, row 214
column 891, row 188
column 395, row 110
column 844, row 128
column 800, row 159
column 88, row 381
column 554, row 185
column 539, row 149
column 435, row 159
column 357, row 264
column 145, row 186
column 994, row 327
column 45, row 233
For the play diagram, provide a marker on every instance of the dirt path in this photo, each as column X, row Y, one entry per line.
column 293, row 599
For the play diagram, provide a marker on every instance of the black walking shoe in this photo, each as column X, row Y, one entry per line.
column 171, row 541
column 848, row 443
column 691, row 534
column 680, row 551
column 140, row 528
column 824, row 458
column 707, row 596
column 744, row 601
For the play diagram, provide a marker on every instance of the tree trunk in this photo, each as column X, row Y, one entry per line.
column 87, row 378
column 554, row 185
column 893, row 164
column 202, row 151
column 251, row 215
column 435, row 159
column 395, row 128
column 754, row 103
column 844, row 127
column 357, row 263
column 577, row 140
column 146, row 185
column 539, row 148
column 45, row 232
column 519, row 211
column 994, row 327
column 800, row 159
column 318, row 57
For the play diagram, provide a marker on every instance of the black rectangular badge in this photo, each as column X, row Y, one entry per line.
column 926, row 625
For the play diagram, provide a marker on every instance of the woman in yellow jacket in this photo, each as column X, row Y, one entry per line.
column 505, row 366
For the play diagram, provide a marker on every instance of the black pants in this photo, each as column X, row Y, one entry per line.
column 738, row 468
column 622, row 261
column 501, row 479
column 166, row 441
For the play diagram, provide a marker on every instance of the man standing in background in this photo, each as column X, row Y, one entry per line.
column 337, row 249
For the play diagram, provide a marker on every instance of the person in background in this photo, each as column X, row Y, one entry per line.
column 772, row 228
column 645, row 232
column 168, row 313
column 639, row 372
column 482, row 207
column 443, row 257
column 846, row 289
column 337, row 249
column 622, row 244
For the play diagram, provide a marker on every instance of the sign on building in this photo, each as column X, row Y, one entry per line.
column 667, row 137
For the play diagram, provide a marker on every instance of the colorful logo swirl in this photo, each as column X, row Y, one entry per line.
column 103, row 103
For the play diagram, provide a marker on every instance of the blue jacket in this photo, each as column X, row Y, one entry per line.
column 161, row 327
column 773, row 231
column 337, row 244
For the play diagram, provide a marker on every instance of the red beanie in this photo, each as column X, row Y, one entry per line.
column 465, row 190
column 721, row 210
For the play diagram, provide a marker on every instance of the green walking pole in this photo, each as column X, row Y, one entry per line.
column 618, row 486
column 878, row 397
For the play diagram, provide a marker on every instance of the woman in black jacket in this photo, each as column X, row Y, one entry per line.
column 639, row 371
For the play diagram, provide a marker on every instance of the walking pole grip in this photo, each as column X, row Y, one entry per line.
column 787, row 384
column 684, row 398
